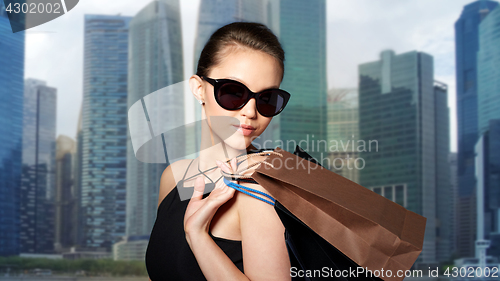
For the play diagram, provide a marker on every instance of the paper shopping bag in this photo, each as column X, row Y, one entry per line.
column 334, row 223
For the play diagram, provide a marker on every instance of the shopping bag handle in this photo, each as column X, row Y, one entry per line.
column 247, row 191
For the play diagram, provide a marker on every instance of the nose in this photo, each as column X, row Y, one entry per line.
column 250, row 109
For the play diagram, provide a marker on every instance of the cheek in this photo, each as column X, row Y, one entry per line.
column 264, row 123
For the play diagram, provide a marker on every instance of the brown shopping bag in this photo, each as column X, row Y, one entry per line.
column 369, row 229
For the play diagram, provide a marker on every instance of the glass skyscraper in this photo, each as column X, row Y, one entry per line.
column 66, row 226
column 303, row 36
column 405, row 135
column 104, row 130
column 488, row 99
column 466, row 46
column 38, row 183
column 488, row 70
column 444, row 193
column 155, row 61
column 11, row 131
column 488, row 184
column 342, row 131
column 77, row 183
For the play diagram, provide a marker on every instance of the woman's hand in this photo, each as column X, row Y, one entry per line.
column 199, row 212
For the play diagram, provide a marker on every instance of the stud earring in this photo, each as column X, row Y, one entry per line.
column 202, row 103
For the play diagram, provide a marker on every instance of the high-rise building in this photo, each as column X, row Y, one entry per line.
column 104, row 130
column 155, row 62
column 444, row 192
column 488, row 97
column 77, row 184
column 11, row 132
column 466, row 46
column 402, row 123
column 66, row 197
column 343, row 131
column 488, row 71
column 38, row 184
column 302, row 33
column 488, row 187
column 453, row 165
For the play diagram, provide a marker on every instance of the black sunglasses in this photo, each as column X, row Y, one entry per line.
column 233, row 95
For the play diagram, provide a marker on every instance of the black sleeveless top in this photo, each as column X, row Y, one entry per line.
column 168, row 256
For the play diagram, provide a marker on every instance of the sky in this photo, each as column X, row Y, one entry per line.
column 357, row 31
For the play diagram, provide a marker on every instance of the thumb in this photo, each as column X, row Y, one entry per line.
column 199, row 188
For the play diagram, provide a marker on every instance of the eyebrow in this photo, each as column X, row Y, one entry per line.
column 239, row 80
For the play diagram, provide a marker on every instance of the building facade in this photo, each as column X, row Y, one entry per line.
column 466, row 45
column 399, row 111
column 66, row 197
column 488, row 181
column 488, row 97
column 488, row 71
column 11, row 131
column 155, row 62
column 303, row 37
column 104, row 130
column 38, row 186
column 444, row 192
column 343, row 131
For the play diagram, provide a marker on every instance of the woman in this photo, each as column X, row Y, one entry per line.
column 226, row 235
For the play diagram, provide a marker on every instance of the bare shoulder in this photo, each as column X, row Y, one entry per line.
column 170, row 176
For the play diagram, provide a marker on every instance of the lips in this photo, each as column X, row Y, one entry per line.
column 244, row 129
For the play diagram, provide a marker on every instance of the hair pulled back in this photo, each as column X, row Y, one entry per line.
column 250, row 35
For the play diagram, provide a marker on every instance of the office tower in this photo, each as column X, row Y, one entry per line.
column 343, row 132
column 488, row 190
column 155, row 62
column 488, row 71
column 466, row 45
column 402, row 123
column 453, row 165
column 11, row 133
column 444, row 191
column 38, row 184
column 212, row 15
column 77, row 184
column 303, row 36
column 66, row 197
column 104, row 130
column 488, row 97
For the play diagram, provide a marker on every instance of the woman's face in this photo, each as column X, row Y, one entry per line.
column 256, row 70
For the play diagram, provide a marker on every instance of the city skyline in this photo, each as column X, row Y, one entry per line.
column 405, row 103
column 347, row 44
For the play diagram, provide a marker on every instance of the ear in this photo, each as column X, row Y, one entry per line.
column 195, row 83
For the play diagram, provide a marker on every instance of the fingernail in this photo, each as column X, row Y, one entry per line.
column 218, row 162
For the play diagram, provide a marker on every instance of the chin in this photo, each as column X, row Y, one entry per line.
column 239, row 142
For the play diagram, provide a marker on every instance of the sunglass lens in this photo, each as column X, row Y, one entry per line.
column 270, row 103
column 232, row 96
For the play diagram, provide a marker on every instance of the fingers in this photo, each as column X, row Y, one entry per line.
column 199, row 188
column 223, row 166
column 234, row 165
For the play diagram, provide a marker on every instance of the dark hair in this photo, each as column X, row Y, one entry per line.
column 251, row 35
